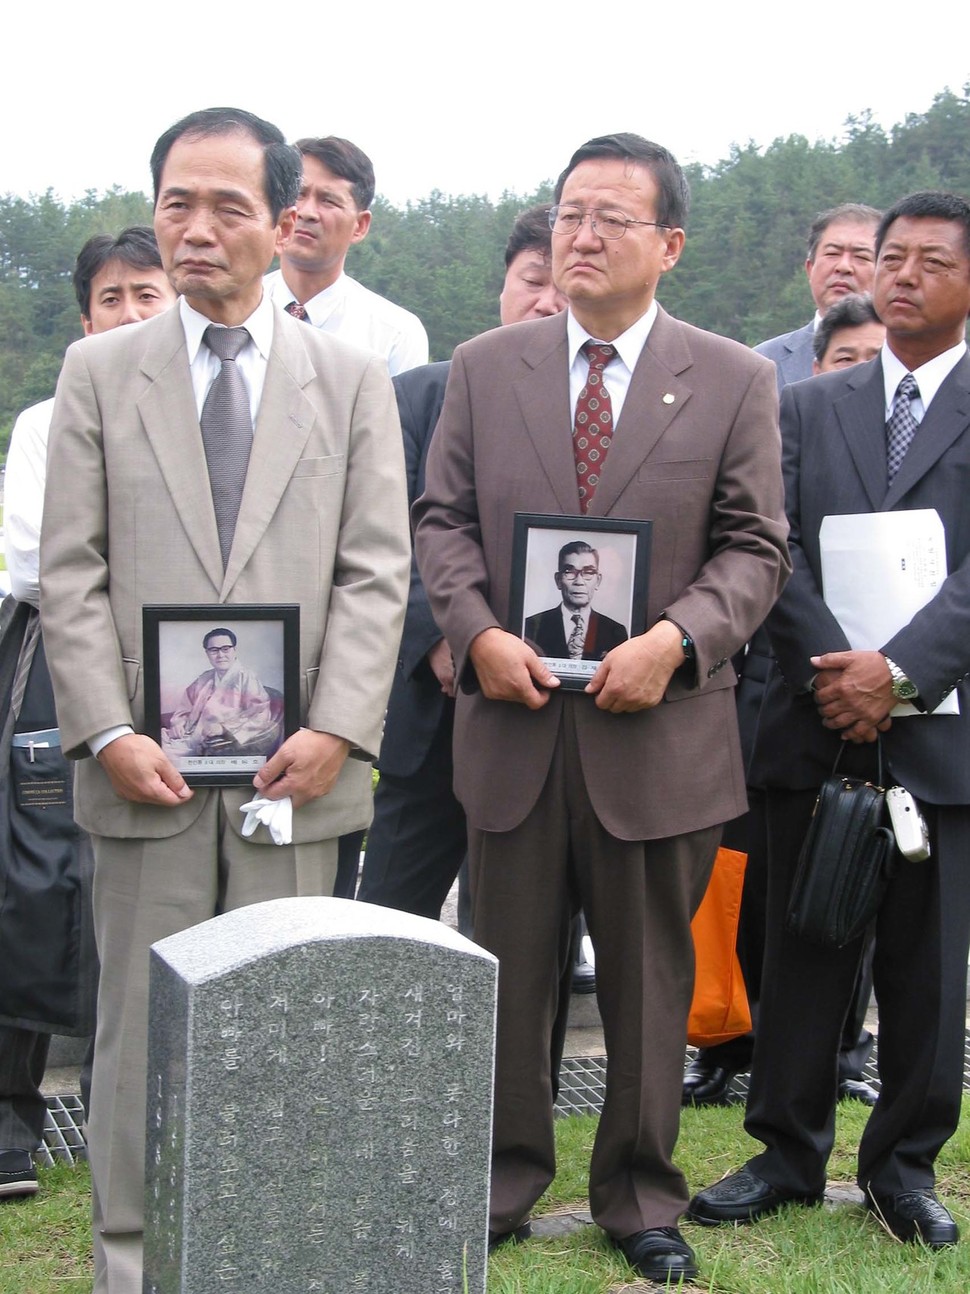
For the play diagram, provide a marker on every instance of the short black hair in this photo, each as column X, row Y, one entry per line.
column 530, row 232
column 850, row 312
column 283, row 166
column 577, row 546
column 928, row 204
column 673, row 202
column 854, row 212
column 135, row 246
column 346, row 160
column 219, row 633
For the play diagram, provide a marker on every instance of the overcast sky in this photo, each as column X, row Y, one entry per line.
column 461, row 98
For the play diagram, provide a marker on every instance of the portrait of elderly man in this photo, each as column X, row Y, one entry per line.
column 573, row 629
column 226, row 710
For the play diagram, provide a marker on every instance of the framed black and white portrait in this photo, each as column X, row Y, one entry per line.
column 578, row 588
column 221, row 687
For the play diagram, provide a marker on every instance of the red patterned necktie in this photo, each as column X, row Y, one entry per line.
column 593, row 429
column 297, row 311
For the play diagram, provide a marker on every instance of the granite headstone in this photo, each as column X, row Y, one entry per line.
column 319, row 1104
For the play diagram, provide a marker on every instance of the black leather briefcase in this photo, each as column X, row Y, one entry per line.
column 846, row 861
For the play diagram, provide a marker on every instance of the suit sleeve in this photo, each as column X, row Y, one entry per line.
column 80, row 636
column 747, row 563
column 800, row 625
column 370, row 574
column 447, row 532
column 418, row 419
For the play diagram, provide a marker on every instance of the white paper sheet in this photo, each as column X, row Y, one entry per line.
column 878, row 570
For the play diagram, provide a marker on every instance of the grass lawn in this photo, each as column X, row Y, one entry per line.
column 45, row 1244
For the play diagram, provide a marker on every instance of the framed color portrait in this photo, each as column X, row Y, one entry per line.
column 221, row 687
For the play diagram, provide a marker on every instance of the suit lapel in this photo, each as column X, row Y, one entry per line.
column 861, row 414
column 543, row 396
column 168, row 414
column 282, row 427
column 656, row 396
column 944, row 422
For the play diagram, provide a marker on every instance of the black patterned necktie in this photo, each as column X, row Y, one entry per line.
column 593, row 427
column 227, row 431
column 902, row 425
column 297, row 311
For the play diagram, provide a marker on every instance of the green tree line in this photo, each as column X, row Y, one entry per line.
column 441, row 257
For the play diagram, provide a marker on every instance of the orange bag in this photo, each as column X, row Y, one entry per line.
column 719, row 1011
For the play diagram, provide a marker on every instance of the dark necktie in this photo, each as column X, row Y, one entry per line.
column 227, row 431
column 297, row 311
column 593, row 429
column 902, row 425
column 574, row 648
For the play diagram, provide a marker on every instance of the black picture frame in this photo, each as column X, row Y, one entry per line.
column 620, row 591
column 219, row 725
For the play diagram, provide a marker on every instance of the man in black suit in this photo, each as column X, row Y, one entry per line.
column 573, row 630
column 417, row 840
column 889, row 435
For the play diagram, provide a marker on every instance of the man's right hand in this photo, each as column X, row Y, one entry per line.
column 140, row 771
column 442, row 666
column 509, row 670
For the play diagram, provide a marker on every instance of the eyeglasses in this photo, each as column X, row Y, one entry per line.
column 606, row 223
column 578, row 572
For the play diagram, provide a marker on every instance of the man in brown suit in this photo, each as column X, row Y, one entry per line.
column 610, row 799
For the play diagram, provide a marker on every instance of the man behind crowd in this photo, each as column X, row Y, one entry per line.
column 190, row 459
column 839, row 263
column 851, row 333
column 116, row 281
column 417, row 841
column 333, row 212
column 890, row 435
column 606, row 798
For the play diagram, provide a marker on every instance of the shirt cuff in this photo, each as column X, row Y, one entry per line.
column 97, row 743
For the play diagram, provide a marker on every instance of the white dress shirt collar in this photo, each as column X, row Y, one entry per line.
column 259, row 325
column 929, row 376
column 619, row 372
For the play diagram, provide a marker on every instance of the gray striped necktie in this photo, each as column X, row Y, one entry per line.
column 227, row 431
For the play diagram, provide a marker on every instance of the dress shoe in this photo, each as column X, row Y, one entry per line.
column 742, row 1197
column 660, row 1254
column 705, row 1084
column 916, row 1215
column 17, row 1173
column 496, row 1239
column 857, row 1089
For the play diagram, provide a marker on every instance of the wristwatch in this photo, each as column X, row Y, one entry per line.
column 904, row 689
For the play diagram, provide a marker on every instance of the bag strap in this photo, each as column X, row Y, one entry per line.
column 880, row 783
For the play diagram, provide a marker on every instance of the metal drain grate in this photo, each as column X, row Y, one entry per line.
column 63, row 1138
column 582, row 1081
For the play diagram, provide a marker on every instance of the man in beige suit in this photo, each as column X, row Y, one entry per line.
column 130, row 519
column 610, row 799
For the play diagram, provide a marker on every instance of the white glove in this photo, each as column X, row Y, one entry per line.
column 275, row 815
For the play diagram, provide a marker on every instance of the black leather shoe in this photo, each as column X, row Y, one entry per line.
column 742, row 1197
column 916, row 1215
column 17, row 1173
column 498, row 1238
column 705, row 1084
column 857, row 1089
column 660, row 1254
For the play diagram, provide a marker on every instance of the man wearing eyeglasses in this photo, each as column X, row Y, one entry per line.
column 573, row 630
column 609, row 798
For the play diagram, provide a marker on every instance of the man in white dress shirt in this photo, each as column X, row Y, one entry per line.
column 332, row 213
